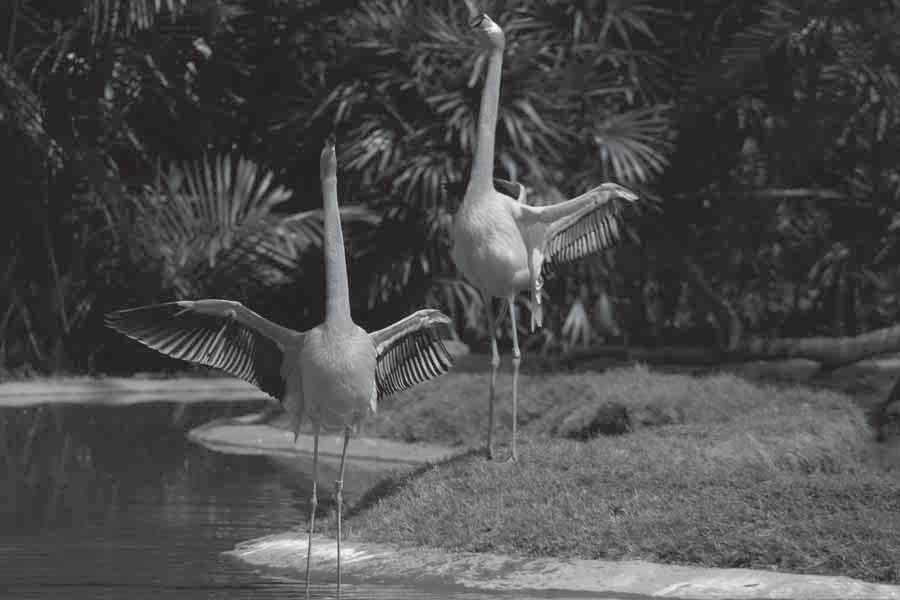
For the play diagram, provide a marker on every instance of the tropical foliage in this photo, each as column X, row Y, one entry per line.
column 154, row 145
column 819, row 142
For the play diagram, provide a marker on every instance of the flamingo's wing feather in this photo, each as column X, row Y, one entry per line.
column 585, row 225
column 411, row 351
column 221, row 334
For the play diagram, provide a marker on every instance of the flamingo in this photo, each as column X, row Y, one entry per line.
column 334, row 373
column 504, row 246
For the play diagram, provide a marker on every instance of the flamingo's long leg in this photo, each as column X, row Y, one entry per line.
column 516, row 361
column 495, row 364
column 338, row 495
column 501, row 316
column 313, row 501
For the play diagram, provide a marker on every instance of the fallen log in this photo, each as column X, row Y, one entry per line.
column 830, row 352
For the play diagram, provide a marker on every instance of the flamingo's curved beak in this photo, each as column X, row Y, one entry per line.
column 476, row 21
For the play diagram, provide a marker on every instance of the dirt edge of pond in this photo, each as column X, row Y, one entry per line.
column 367, row 561
column 243, row 435
column 126, row 390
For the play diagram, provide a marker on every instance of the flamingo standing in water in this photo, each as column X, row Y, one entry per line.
column 504, row 246
column 334, row 374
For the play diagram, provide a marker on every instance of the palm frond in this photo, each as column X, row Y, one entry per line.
column 630, row 21
column 28, row 114
column 212, row 223
column 577, row 329
column 271, row 253
column 633, row 145
column 459, row 299
column 780, row 20
column 112, row 18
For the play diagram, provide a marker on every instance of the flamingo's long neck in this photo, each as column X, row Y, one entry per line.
column 482, row 176
column 337, row 294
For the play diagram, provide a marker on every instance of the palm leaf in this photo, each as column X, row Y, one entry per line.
column 577, row 329
column 28, row 114
column 114, row 18
column 459, row 299
column 212, row 226
column 633, row 145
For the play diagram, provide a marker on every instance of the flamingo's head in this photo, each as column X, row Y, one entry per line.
column 491, row 32
column 328, row 160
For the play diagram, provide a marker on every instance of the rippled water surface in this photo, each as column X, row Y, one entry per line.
column 114, row 502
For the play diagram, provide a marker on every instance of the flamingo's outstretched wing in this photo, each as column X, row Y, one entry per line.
column 588, row 224
column 582, row 226
column 567, row 231
column 411, row 351
column 222, row 334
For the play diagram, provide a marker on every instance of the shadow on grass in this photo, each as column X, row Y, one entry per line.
column 392, row 484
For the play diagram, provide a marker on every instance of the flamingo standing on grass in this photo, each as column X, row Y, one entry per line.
column 334, row 374
column 504, row 246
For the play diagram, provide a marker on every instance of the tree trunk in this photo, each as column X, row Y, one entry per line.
column 840, row 302
column 11, row 35
column 830, row 352
column 728, row 322
column 652, row 306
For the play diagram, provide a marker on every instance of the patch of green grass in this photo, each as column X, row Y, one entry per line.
column 747, row 475
column 453, row 409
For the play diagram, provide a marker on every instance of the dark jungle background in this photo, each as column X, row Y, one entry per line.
column 163, row 149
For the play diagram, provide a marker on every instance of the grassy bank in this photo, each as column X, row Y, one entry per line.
column 713, row 471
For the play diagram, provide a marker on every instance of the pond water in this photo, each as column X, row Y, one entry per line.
column 103, row 501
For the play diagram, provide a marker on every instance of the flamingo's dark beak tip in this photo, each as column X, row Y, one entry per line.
column 476, row 21
column 330, row 140
column 328, row 159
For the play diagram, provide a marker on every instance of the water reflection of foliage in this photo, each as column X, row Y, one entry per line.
column 65, row 463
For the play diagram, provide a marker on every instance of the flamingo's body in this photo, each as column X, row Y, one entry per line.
column 504, row 246
column 488, row 246
column 333, row 374
column 329, row 355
